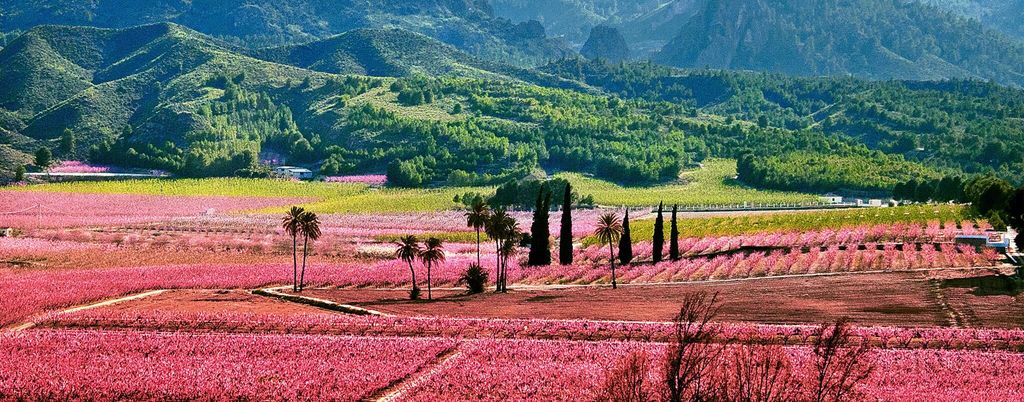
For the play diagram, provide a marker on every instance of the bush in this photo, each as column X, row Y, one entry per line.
column 414, row 294
column 475, row 279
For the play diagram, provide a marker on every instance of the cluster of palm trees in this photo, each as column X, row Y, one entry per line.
column 500, row 227
column 504, row 230
column 430, row 253
column 299, row 222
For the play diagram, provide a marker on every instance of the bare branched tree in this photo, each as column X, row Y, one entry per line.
column 627, row 381
column 757, row 373
column 841, row 363
column 693, row 351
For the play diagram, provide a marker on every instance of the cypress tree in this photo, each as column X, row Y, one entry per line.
column 625, row 242
column 565, row 240
column 67, row 143
column 673, row 248
column 659, row 234
column 540, row 242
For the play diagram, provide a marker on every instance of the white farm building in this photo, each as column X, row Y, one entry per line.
column 293, row 172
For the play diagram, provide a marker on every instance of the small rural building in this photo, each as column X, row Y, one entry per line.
column 831, row 198
column 293, row 172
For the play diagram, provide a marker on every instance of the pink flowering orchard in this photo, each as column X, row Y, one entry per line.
column 111, row 296
column 512, row 200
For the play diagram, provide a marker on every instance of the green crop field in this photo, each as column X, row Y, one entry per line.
column 226, row 187
column 710, row 185
column 713, row 184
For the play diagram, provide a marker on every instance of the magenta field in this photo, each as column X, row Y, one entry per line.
column 81, row 319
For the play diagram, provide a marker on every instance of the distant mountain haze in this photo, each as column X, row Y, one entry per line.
column 466, row 24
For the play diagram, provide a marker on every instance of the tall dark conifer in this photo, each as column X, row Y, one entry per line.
column 673, row 247
column 659, row 234
column 625, row 242
column 540, row 243
column 565, row 238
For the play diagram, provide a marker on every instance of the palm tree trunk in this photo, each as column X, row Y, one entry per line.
column 302, row 276
column 430, row 296
column 295, row 263
column 497, row 265
column 478, row 246
column 413, row 271
column 611, row 251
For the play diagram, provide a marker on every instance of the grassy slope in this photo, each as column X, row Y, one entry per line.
column 712, row 184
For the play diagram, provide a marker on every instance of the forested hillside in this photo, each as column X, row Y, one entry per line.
column 963, row 125
column 163, row 96
column 466, row 24
column 1001, row 15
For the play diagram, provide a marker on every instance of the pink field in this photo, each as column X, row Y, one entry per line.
column 88, row 365
column 372, row 179
column 64, row 210
column 55, row 289
column 79, row 167
column 226, row 343
column 936, row 338
column 560, row 370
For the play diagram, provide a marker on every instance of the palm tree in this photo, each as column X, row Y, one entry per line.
column 476, row 218
column 309, row 223
column 508, row 246
column 494, row 227
column 408, row 250
column 432, row 254
column 509, row 249
column 293, row 226
column 608, row 231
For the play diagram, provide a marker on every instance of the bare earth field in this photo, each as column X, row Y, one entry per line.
column 897, row 299
column 211, row 301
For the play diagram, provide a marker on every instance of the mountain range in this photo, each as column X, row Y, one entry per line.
column 467, row 24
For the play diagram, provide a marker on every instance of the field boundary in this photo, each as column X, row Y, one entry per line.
column 32, row 322
column 316, row 302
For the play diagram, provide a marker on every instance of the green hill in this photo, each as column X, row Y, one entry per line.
column 164, row 96
column 466, row 24
column 376, row 52
column 967, row 126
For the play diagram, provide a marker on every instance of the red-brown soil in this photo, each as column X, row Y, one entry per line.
column 899, row 299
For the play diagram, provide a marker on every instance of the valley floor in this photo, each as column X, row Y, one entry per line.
column 161, row 304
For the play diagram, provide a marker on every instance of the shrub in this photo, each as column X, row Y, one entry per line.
column 475, row 279
column 414, row 294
